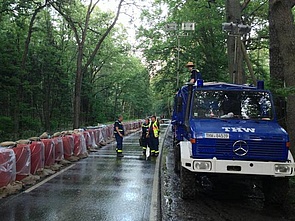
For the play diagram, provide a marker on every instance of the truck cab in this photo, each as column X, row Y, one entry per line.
column 222, row 128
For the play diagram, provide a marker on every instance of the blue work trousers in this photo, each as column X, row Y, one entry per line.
column 119, row 141
column 154, row 144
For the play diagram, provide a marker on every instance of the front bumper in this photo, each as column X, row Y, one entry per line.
column 277, row 169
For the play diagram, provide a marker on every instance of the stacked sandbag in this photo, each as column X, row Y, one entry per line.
column 88, row 140
column 22, row 153
column 37, row 156
column 8, row 185
column 109, row 132
column 80, row 149
column 103, row 132
column 49, row 153
column 7, row 164
column 59, row 148
column 91, row 144
column 68, row 144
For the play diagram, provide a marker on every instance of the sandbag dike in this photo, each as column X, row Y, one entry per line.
column 23, row 163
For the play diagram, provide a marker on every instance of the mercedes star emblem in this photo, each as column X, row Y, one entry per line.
column 240, row 148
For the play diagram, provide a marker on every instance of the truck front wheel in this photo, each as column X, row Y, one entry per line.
column 275, row 190
column 187, row 183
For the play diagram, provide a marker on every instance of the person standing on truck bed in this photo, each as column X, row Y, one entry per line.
column 119, row 134
column 195, row 74
column 153, row 135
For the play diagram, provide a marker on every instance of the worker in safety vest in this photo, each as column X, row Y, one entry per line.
column 153, row 135
column 144, row 135
column 195, row 74
column 119, row 134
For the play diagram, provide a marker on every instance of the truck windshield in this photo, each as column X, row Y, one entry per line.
column 233, row 104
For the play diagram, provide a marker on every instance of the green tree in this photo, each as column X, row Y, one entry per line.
column 68, row 11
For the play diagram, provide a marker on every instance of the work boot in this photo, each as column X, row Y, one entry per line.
column 120, row 155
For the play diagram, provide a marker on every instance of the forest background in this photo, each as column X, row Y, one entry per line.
column 68, row 63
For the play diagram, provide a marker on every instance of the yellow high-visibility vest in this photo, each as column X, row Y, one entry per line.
column 155, row 128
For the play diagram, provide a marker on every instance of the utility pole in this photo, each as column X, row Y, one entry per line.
column 178, row 58
column 233, row 14
column 236, row 31
column 187, row 26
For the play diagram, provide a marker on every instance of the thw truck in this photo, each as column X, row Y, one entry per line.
column 225, row 129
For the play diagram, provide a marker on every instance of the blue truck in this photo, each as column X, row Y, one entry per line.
column 223, row 129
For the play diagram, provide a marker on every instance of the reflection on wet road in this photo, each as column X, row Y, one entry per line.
column 100, row 187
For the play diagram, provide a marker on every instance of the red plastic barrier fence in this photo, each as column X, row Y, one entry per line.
column 103, row 133
column 99, row 136
column 7, row 167
column 77, row 144
column 59, row 148
column 80, row 144
column 23, row 161
column 87, row 137
column 92, row 138
column 127, row 126
column 68, row 143
column 49, row 152
column 83, row 144
column 96, row 133
column 37, row 156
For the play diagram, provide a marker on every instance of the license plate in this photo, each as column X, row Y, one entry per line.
column 217, row 135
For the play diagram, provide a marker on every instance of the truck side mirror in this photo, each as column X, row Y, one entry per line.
column 179, row 104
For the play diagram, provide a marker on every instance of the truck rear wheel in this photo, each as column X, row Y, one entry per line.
column 275, row 190
column 187, row 184
column 177, row 164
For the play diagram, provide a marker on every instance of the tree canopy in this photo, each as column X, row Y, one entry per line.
column 40, row 46
column 69, row 63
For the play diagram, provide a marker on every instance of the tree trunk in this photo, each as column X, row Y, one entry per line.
column 19, row 94
column 282, row 57
column 276, row 65
column 78, row 87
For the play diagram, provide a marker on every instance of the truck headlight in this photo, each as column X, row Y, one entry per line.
column 283, row 168
column 202, row 165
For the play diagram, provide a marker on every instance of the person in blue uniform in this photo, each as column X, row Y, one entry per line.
column 119, row 134
column 144, row 135
column 195, row 74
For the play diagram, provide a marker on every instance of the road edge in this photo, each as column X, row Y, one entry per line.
column 155, row 208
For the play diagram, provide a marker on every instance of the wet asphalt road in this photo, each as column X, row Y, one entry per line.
column 100, row 187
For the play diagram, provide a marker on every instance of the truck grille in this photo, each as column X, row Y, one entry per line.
column 265, row 150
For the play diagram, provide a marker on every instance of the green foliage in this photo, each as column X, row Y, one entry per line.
column 37, row 87
column 6, row 127
column 206, row 46
column 37, row 93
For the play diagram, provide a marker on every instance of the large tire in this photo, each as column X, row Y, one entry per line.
column 275, row 190
column 177, row 163
column 187, row 184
